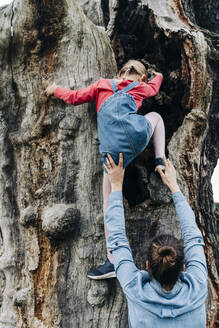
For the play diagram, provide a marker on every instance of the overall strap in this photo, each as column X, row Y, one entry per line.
column 114, row 86
column 130, row 86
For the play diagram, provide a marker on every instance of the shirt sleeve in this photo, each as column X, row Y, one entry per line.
column 77, row 97
column 117, row 241
column 193, row 240
column 153, row 87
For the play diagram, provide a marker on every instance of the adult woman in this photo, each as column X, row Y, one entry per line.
column 163, row 296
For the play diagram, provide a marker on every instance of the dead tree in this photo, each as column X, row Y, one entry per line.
column 51, row 217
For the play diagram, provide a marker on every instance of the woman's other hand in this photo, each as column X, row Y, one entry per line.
column 169, row 176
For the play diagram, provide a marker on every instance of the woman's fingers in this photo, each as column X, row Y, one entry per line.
column 121, row 160
column 108, row 162
column 112, row 163
column 170, row 165
column 165, row 161
column 159, row 170
column 106, row 167
column 162, row 175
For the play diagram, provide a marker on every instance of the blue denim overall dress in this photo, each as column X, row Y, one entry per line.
column 120, row 128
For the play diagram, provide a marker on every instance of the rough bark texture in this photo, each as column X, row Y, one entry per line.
column 51, row 177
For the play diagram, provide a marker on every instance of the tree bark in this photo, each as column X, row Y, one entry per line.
column 51, row 177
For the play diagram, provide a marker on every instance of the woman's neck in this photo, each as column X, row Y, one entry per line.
column 168, row 288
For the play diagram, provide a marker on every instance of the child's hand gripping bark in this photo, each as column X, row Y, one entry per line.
column 156, row 73
column 50, row 89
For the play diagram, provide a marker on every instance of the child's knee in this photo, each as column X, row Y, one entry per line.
column 156, row 116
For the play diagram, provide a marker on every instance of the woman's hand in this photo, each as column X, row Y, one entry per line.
column 115, row 172
column 50, row 89
column 169, row 176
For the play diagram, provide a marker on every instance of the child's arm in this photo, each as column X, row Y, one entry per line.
column 73, row 97
column 152, row 87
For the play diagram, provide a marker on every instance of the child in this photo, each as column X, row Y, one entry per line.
column 120, row 129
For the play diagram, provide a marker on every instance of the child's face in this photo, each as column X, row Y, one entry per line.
column 133, row 77
column 142, row 78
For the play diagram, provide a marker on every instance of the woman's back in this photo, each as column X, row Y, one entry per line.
column 152, row 306
column 193, row 319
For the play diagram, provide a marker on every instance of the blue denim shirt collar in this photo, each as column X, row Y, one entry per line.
column 163, row 292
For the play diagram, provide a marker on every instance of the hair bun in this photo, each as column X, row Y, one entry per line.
column 167, row 251
column 166, row 258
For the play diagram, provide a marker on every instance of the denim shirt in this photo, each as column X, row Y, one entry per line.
column 149, row 305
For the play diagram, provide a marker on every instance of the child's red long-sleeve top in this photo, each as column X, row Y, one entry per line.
column 102, row 90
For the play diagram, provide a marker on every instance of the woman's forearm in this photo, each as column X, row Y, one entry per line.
column 189, row 228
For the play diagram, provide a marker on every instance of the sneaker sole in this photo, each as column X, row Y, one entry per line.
column 103, row 276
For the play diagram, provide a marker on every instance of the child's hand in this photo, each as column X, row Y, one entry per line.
column 50, row 89
column 169, row 176
column 156, row 73
column 115, row 172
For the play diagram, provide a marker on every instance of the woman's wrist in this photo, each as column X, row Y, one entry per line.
column 174, row 188
column 116, row 186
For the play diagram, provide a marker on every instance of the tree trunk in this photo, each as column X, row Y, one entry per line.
column 51, row 176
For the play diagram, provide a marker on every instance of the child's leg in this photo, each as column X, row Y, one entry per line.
column 106, row 193
column 105, row 270
column 158, row 133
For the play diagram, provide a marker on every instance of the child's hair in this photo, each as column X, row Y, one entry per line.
column 166, row 259
column 133, row 67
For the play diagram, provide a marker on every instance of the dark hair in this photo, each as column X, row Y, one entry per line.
column 166, row 258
